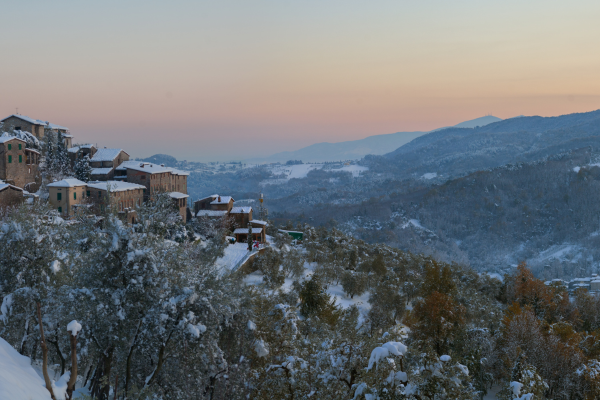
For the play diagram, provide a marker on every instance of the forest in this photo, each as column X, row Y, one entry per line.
column 141, row 312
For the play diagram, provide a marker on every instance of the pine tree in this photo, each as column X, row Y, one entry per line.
column 249, row 236
column 82, row 169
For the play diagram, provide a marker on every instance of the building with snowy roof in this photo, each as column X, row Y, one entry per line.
column 78, row 152
column 217, row 206
column 65, row 194
column 10, row 195
column 107, row 158
column 19, row 164
column 37, row 127
column 156, row 177
column 241, row 234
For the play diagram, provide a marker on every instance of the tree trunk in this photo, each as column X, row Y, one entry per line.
column 44, row 355
column 73, row 377
column 129, row 357
column 62, row 358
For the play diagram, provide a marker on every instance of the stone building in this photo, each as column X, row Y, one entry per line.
column 78, row 152
column 10, row 195
column 216, row 206
column 241, row 234
column 104, row 162
column 156, row 178
column 241, row 215
column 66, row 195
column 18, row 164
column 180, row 201
column 18, row 122
column 214, row 203
column 124, row 196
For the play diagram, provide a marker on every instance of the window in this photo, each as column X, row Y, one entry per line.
column 58, row 196
column 10, row 146
column 20, row 157
column 9, row 159
column 74, row 195
column 17, row 128
column 60, row 209
column 19, row 146
column 88, row 193
column 143, row 177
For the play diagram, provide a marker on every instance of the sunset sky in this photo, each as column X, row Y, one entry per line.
column 224, row 80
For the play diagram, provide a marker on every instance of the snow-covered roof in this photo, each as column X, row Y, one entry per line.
column 150, row 168
column 5, row 139
column 245, row 230
column 222, row 200
column 71, row 182
column 178, row 195
column 73, row 150
column 211, row 213
column 241, row 210
column 54, row 126
column 26, row 118
column 259, row 222
column 6, row 186
column 115, row 186
column 36, row 121
column 101, row 171
column 66, row 135
column 107, row 154
column 179, row 172
column 214, row 196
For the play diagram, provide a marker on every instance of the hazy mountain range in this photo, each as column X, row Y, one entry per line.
column 357, row 149
column 454, row 151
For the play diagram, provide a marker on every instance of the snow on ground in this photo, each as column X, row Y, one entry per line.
column 233, row 255
column 561, row 252
column 355, row 170
column 414, row 223
column 429, row 175
column 18, row 380
column 300, row 171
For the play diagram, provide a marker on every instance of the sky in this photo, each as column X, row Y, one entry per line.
column 228, row 80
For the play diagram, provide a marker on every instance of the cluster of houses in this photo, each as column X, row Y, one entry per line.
column 591, row 284
column 217, row 206
column 115, row 180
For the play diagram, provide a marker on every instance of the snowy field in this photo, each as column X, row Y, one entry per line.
column 300, row 171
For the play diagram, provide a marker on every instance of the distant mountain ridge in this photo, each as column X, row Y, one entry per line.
column 357, row 149
column 456, row 151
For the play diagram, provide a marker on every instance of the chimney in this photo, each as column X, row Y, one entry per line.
column 142, row 165
column 219, row 199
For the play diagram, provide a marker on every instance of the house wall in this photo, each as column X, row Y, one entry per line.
column 68, row 200
column 242, row 220
column 11, row 197
column 181, row 205
column 18, row 173
column 121, row 200
column 110, row 164
column 203, row 204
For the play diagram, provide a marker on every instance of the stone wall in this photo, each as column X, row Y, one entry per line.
column 19, row 166
column 11, row 196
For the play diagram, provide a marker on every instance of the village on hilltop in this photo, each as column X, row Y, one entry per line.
column 111, row 179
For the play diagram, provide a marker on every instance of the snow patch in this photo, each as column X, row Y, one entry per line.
column 74, row 327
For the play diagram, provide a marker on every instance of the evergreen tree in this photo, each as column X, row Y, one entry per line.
column 82, row 169
column 249, row 240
